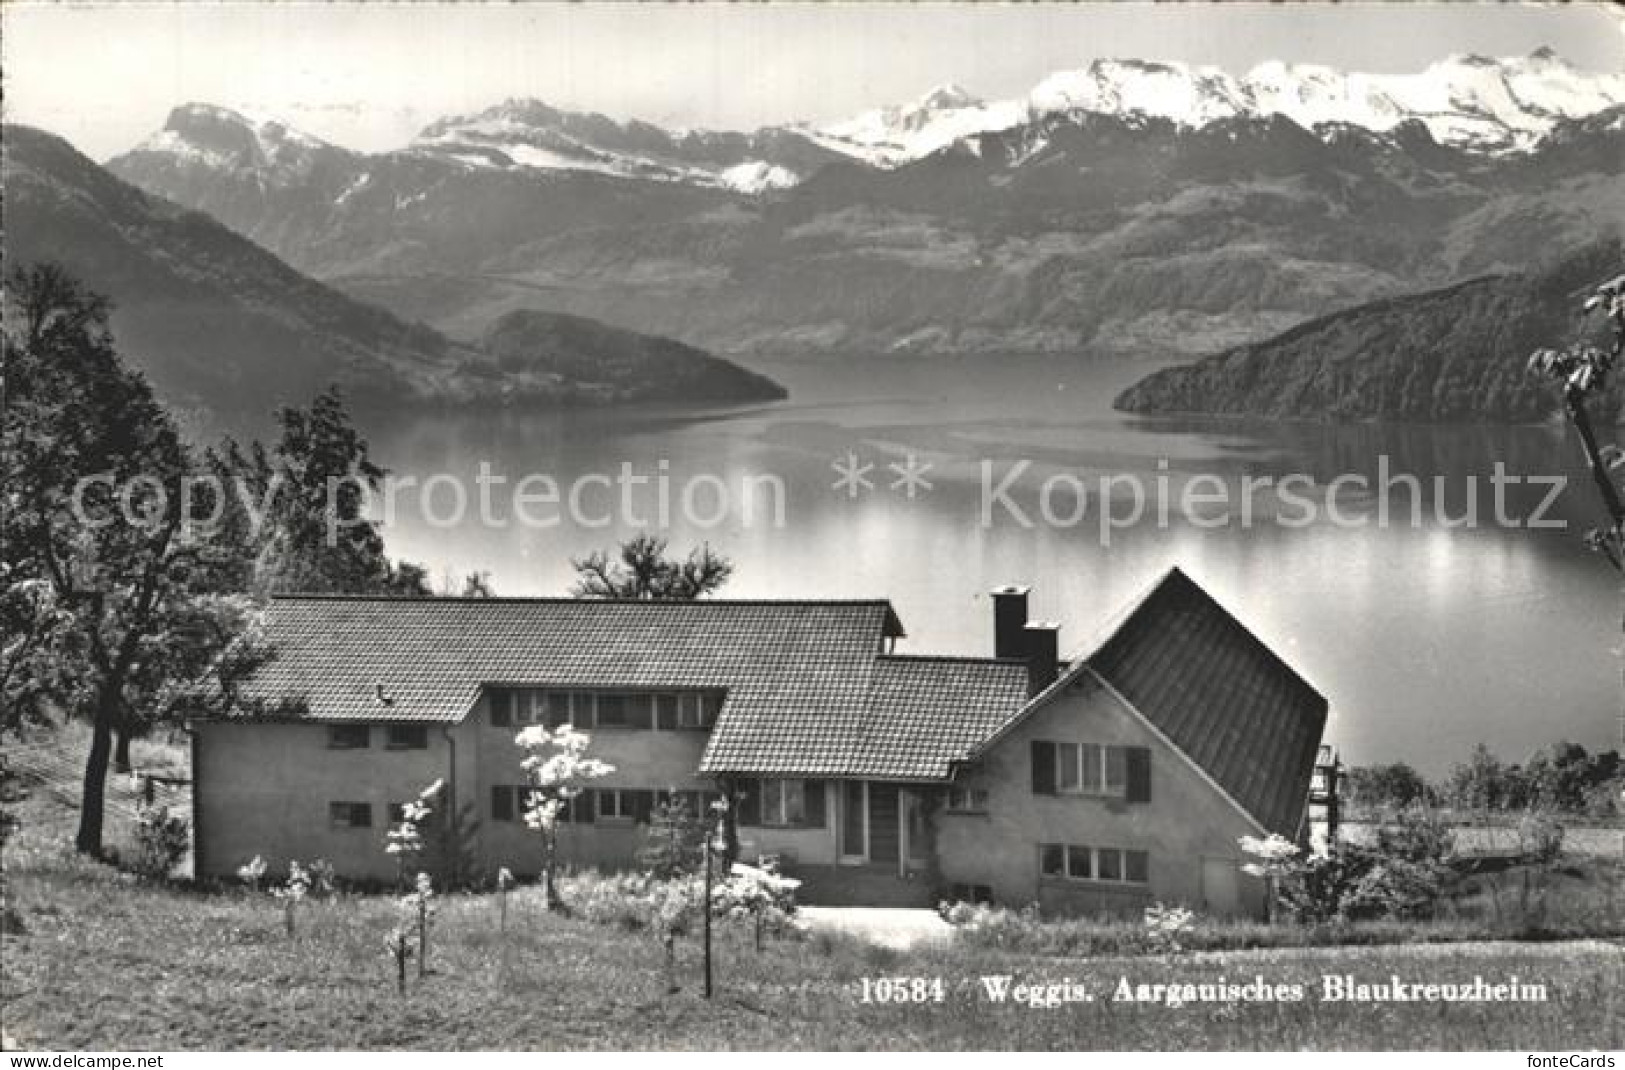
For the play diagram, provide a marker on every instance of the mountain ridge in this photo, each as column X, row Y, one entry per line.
column 219, row 323
column 1455, row 354
column 1491, row 105
column 1118, row 234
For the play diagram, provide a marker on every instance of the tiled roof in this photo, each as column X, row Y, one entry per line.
column 809, row 692
column 793, row 671
column 1220, row 695
column 925, row 712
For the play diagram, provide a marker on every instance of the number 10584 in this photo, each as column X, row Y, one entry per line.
column 903, row 990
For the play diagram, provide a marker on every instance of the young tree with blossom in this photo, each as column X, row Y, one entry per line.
column 405, row 840
column 1275, row 858
column 557, row 766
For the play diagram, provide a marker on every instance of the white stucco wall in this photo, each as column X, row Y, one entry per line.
column 1186, row 820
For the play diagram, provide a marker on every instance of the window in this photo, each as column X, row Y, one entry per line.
column 1116, row 767
column 971, row 893
column 395, row 812
column 967, row 800
column 1090, row 769
column 784, row 802
column 348, row 736
column 612, row 711
column 614, row 804
column 508, row 801
column 624, row 804
column 604, row 709
column 1079, row 863
column 1111, row 865
column 551, row 708
column 698, row 803
column 406, row 737
column 855, row 820
column 694, row 709
column 1104, row 865
column 350, row 815
column 1052, row 860
column 1068, row 767
column 710, row 708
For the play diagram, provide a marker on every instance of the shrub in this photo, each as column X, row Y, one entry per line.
column 292, row 893
column 162, row 840
column 252, row 872
column 676, row 840
column 759, row 895
column 1540, row 839
column 1403, row 875
column 617, row 899
column 1166, row 927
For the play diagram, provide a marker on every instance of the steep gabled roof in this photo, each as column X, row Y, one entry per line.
column 801, row 669
column 1242, row 716
column 1221, row 696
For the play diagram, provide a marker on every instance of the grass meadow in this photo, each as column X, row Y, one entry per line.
column 106, row 961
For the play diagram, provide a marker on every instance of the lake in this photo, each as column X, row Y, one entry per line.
column 1427, row 633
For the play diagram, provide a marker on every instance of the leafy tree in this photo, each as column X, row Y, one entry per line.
column 104, row 521
column 472, row 585
column 1482, row 782
column 642, row 570
column 1564, row 777
column 1396, row 785
column 302, row 504
column 29, row 620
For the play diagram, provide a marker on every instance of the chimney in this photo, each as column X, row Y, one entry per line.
column 1043, row 642
column 1009, row 618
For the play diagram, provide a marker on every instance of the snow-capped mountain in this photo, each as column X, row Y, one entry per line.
column 215, row 138
column 1469, row 102
column 517, row 136
column 887, row 137
column 531, row 134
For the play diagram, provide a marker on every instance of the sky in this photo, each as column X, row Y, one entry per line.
column 370, row 76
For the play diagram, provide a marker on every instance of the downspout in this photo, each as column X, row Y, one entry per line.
column 453, row 825
column 197, row 807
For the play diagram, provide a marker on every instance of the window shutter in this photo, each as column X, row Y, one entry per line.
column 813, row 795
column 581, row 807
column 666, row 711
column 1139, row 774
column 643, row 803
column 750, row 805
column 501, row 708
column 1043, row 767
column 501, row 802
